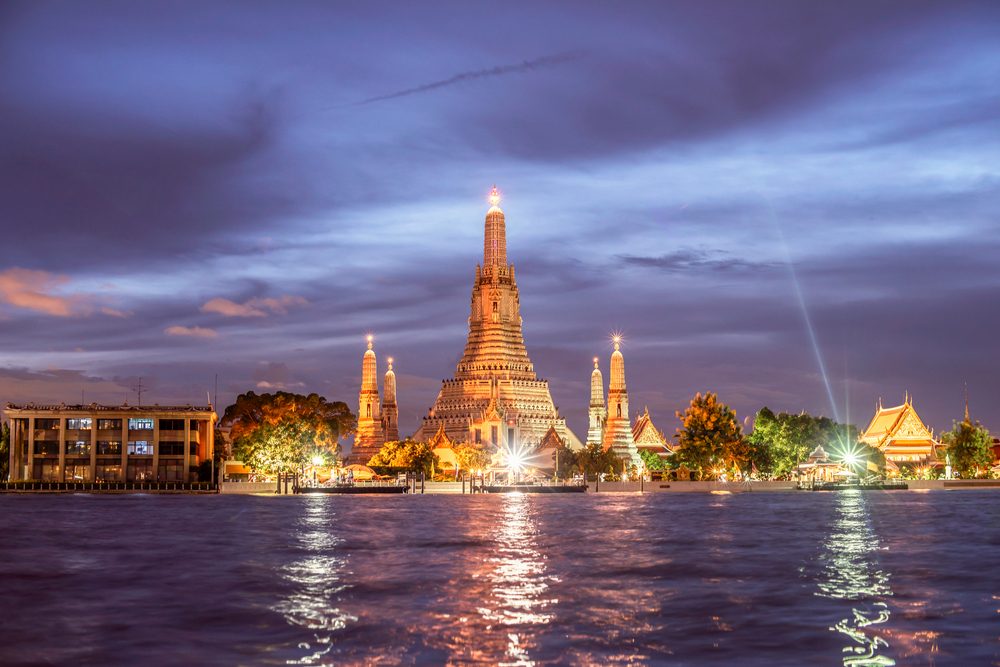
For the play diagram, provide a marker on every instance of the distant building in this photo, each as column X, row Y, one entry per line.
column 495, row 398
column 901, row 435
column 617, row 427
column 378, row 421
column 647, row 437
column 94, row 443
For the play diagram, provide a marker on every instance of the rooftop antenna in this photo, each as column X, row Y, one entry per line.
column 138, row 390
column 967, row 402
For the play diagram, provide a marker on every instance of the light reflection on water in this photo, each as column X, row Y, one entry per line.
column 851, row 572
column 518, row 580
column 317, row 580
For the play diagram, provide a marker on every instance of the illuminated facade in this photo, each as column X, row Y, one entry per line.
column 378, row 421
column 901, row 435
column 646, row 436
column 598, row 411
column 617, row 428
column 104, row 443
column 495, row 396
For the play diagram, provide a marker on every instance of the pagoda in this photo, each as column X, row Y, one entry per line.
column 378, row 421
column 617, row 427
column 495, row 397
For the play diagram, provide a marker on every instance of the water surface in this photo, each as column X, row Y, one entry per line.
column 850, row 578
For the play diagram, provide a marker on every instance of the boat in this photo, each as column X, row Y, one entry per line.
column 881, row 485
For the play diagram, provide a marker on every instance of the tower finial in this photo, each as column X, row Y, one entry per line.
column 595, row 362
column 616, row 338
column 494, row 196
column 370, row 338
column 389, row 360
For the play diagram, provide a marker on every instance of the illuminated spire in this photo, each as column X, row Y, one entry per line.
column 596, row 387
column 369, row 368
column 495, row 239
column 617, row 365
column 390, row 413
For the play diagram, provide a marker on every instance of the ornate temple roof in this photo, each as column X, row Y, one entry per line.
column 647, row 436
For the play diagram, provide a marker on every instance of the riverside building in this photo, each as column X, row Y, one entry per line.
column 105, row 443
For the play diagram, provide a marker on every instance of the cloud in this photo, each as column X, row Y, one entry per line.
column 257, row 307
column 688, row 259
column 32, row 290
column 281, row 386
column 501, row 70
column 194, row 332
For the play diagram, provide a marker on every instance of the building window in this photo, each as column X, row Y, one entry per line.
column 140, row 424
column 171, row 448
column 110, row 447
column 140, row 470
column 79, row 424
column 46, row 471
column 619, row 409
column 77, row 471
column 368, row 410
column 171, row 471
column 171, row 424
column 46, row 448
column 493, row 435
column 140, row 448
column 510, row 437
column 109, row 471
column 479, row 436
column 109, row 424
column 47, row 424
column 78, row 448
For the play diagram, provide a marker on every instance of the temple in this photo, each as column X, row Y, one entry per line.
column 495, row 396
column 378, row 421
column 647, row 437
column 901, row 435
column 617, row 434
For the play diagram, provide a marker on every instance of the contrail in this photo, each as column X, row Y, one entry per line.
column 524, row 66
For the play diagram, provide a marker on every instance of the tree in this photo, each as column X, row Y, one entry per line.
column 710, row 439
column 4, row 450
column 409, row 454
column 970, row 448
column 282, row 432
column 473, row 457
column 652, row 460
column 594, row 459
column 784, row 441
column 565, row 462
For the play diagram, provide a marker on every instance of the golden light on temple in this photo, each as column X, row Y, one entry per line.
column 494, row 197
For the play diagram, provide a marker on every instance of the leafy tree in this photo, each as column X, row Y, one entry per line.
column 970, row 448
column 784, row 441
column 594, row 459
column 4, row 450
column 282, row 432
column 652, row 460
column 409, row 454
column 710, row 438
column 473, row 457
column 566, row 462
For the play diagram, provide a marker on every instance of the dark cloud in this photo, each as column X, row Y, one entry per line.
column 465, row 77
column 693, row 260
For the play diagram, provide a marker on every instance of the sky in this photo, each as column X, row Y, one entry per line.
column 792, row 204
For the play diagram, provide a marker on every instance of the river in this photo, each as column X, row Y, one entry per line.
column 849, row 578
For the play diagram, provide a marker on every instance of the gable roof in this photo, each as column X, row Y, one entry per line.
column 896, row 423
column 647, row 436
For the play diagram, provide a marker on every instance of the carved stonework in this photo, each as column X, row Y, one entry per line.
column 495, row 396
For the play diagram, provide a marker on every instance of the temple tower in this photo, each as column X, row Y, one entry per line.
column 597, row 413
column 390, row 413
column 369, row 437
column 495, row 397
column 617, row 428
